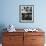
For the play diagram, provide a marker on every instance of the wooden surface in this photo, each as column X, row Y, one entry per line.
column 22, row 38
column 34, row 39
column 13, row 39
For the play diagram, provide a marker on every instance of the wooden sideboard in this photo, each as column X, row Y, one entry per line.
column 23, row 38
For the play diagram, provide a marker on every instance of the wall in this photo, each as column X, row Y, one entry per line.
column 10, row 13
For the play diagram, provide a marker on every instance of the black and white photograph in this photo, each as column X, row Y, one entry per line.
column 26, row 13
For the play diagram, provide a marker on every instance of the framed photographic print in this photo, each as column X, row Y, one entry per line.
column 26, row 13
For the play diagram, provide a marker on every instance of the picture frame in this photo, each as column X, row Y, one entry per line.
column 26, row 13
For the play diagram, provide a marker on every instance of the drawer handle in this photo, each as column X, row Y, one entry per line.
column 11, row 38
column 33, row 39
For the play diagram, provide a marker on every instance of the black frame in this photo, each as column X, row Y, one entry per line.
column 26, row 13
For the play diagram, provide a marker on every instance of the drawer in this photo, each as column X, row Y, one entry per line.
column 34, row 33
column 13, row 33
column 37, row 39
column 12, row 38
column 37, row 44
column 18, row 44
column 12, row 44
column 27, row 37
column 10, row 41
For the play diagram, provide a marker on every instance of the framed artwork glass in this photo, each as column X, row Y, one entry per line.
column 26, row 13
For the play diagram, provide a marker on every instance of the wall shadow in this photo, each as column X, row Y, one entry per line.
column 2, row 29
